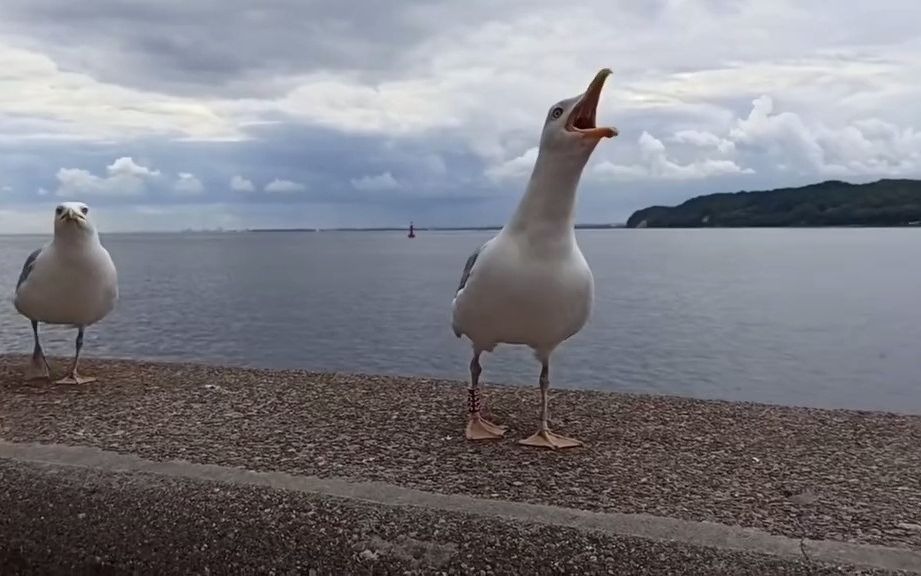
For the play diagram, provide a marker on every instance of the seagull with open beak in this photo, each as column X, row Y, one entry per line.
column 530, row 284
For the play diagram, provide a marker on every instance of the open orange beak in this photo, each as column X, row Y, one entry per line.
column 582, row 117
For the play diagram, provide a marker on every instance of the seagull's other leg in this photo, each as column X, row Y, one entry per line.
column 74, row 377
column 38, row 368
column 478, row 428
column 544, row 438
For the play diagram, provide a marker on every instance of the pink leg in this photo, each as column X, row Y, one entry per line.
column 544, row 438
column 478, row 428
column 38, row 367
column 74, row 377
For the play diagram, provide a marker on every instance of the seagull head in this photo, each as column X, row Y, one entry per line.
column 570, row 127
column 71, row 220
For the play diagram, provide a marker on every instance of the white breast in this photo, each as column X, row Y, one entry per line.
column 69, row 287
column 519, row 295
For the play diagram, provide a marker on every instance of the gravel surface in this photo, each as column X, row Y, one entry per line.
column 64, row 520
column 844, row 475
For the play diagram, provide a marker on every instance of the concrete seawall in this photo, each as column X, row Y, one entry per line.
column 165, row 468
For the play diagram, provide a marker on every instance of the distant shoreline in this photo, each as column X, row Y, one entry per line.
column 886, row 203
column 301, row 230
column 468, row 229
column 421, row 228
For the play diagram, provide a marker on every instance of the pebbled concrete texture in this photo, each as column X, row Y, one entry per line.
column 176, row 468
column 83, row 510
column 821, row 474
column 65, row 520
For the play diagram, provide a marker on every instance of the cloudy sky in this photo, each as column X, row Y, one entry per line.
column 206, row 113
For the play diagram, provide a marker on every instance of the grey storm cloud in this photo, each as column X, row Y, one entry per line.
column 210, row 46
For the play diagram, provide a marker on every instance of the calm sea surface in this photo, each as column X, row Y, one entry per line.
column 820, row 317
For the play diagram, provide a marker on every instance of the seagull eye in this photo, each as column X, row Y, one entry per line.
column 59, row 210
column 84, row 210
column 556, row 113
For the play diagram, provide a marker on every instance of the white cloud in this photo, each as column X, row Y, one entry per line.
column 126, row 166
column 782, row 134
column 71, row 105
column 490, row 84
column 284, row 186
column 516, row 168
column 396, row 107
column 609, row 170
column 123, row 177
column 777, row 141
column 241, row 184
column 703, row 139
column 188, row 185
column 468, row 87
column 869, row 146
column 656, row 164
column 6, row 188
column 486, row 73
column 378, row 183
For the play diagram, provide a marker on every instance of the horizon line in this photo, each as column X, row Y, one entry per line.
column 586, row 226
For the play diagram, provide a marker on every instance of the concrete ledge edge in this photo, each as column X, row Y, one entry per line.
column 698, row 533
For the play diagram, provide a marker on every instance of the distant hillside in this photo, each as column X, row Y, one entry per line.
column 831, row 203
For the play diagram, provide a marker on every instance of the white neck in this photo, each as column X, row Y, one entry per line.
column 75, row 239
column 548, row 204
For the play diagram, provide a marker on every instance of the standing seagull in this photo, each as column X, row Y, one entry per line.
column 71, row 280
column 530, row 284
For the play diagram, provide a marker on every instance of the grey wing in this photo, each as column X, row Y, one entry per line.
column 27, row 267
column 468, row 267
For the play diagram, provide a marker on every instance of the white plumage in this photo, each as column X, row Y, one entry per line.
column 530, row 284
column 71, row 280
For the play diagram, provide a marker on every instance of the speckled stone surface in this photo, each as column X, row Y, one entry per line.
column 840, row 475
column 67, row 520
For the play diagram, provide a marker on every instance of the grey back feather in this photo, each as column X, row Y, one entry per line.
column 463, row 282
column 468, row 267
column 27, row 267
